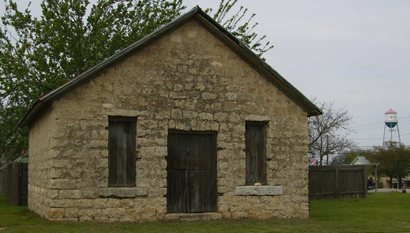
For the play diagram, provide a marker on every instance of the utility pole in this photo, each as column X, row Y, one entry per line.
column 327, row 150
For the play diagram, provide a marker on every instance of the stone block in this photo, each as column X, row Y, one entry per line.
column 208, row 96
column 70, row 194
column 157, row 192
column 178, row 87
column 189, row 114
column 231, row 96
column 262, row 190
column 176, row 113
column 62, row 184
column 220, row 116
column 56, row 213
column 71, row 213
column 124, row 192
column 205, row 116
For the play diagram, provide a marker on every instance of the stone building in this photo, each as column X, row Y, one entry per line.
column 186, row 123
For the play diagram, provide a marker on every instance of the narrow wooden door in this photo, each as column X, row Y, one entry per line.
column 255, row 143
column 121, row 166
column 191, row 172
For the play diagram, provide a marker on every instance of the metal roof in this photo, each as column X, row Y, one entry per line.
column 360, row 160
column 390, row 111
column 211, row 25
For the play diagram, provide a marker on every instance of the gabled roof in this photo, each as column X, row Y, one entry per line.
column 211, row 25
column 360, row 160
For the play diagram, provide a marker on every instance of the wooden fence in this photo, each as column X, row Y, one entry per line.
column 337, row 181
column 14, row 183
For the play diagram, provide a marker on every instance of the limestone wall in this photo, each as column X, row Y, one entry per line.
column 40, row 151
column 186, row 80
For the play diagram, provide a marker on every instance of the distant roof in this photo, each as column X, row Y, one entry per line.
column 22, row 159
column 390, row 111
column 211, row 25
column 360, row 160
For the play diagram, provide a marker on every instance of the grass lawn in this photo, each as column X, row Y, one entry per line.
column 382, row 212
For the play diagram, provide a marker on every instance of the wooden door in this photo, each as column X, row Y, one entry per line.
column 121, row 163
column 191, row 172
column 255, row 144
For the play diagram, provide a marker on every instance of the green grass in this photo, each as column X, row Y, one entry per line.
column 384, row 212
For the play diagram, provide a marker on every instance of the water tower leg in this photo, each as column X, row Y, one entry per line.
column 384, row 135
column 398, row 132
column 391, row 134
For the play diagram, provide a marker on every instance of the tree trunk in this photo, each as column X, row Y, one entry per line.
column 390, row 182
column 320, row 152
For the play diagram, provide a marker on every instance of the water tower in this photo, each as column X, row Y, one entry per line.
column 392, row 125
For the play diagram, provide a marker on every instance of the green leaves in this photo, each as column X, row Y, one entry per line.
column 394, row 160
column 241, row 25
column 39, row 54
column 115, row 24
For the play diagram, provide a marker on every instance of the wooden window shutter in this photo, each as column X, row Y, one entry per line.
column 121, row 146
column 255, row 146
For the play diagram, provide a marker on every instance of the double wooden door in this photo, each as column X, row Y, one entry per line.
column 191, row 172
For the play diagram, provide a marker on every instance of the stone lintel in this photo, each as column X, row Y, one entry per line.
column 263, row 190
column 124, row 192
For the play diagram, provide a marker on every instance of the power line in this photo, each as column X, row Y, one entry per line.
column 366, row 139
column 368, row 146
column 379, row 122
column 379, row 138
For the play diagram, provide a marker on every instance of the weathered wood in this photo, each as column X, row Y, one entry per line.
column 191, row 172
column 255, row 144
column 14, row 183
column 337, row 181
column 177, row 191
column 22, row 183
column 121, row 168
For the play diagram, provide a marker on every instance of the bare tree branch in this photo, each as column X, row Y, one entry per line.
column 328, row 132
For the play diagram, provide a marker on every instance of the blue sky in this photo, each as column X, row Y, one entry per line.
column 353, row 53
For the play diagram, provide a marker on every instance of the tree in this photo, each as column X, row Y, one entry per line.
column 327, row 133
column 240, row 26
column 394, row 160
column 38, row 54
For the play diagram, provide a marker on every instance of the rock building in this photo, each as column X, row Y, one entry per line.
column 186, row 123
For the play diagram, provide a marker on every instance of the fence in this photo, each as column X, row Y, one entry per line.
column 14, row 182
column 337, row 181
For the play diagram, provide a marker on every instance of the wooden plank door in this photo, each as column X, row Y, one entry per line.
column 201, row 166
column 177, row 173
column 255, row 144
column 121, row 166
column 191, row 172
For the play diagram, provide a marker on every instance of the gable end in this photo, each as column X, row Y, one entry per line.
column 211, row 25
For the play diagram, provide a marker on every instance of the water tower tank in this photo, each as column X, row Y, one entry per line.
column 390, row 118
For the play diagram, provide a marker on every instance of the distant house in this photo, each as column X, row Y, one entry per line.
column 187, row 120
column 360, row 160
